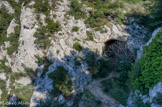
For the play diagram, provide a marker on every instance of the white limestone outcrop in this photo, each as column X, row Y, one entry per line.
column 7, row 6
column 61, row 52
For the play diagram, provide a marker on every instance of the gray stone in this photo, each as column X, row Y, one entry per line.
column 7, row 6
column 69, row 103
column 61, row 99
column 3, row 76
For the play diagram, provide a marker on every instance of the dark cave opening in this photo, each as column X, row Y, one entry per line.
column 116, row 50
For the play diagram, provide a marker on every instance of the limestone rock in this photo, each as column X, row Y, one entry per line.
column 69, row 103
column 27, row 49
column 153, row 92
column 61, row 52
column 61, row 99
column 8, row 6
column 11, row 27
column 24, row 80
column 3, row 76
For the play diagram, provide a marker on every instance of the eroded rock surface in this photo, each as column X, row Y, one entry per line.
column 61, row 52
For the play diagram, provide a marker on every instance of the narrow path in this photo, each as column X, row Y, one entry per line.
column 95, row 88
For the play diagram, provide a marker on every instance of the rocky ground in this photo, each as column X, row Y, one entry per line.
column 61, row 52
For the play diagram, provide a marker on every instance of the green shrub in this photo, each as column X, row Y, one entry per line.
column 98, row 68
column 17, row 7
column 90, row 35
column 5, row 19
column 123, row 65
column 148, row 70
column 61, row 82
column 90, row 59
column 102, row 9
column 133, row 1
column 14, row 41
column 40, row 60
column 3, row 67
column 77, row 46
column 23, row 92
column 76, row 10
column 155, row 13
column 4, row 95
column 91, row 38
column 53, row 26
column 43, row 61
column 139, row 103
column 75, row 29
column 29, row 72
column 42, row 7
column 104, row 67
column 17, row 75
column 96, row 22
column 42, row 38
column 44, row 32
column 115, row 89
column 91, row 99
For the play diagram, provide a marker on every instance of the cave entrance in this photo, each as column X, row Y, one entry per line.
column 116, row 50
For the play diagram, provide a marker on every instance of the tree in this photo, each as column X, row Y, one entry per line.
column 156, row 12
column 148, row 70
column 61, row 82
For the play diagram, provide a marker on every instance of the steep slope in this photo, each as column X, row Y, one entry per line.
column 44, row 38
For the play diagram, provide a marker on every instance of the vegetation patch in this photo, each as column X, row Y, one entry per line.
column 90, row 35
column 14, row 41
column 116, row 89
column 98, row 68
column 77, row 46
column 42, row 38
column 23, row 92
column 45, row 62
column 44, row 32
column 75, row 29
column 156, row 14
column 77, row 10
column 4, row 95
column 3, row 67
column 29, row 72
column 5, row 19
column 148, row 70
column 138, row 102
column 104, row 67
column 17, row 7
column 42, row 7
column 89, row 99
column 62, row 84
column 102, row 10
column 16, row 76
column 52, row 26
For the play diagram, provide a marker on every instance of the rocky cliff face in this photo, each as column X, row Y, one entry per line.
column 61, row 51
column 152, row 92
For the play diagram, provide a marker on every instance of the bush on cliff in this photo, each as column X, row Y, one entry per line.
column 148, row 70
column 62, row 84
